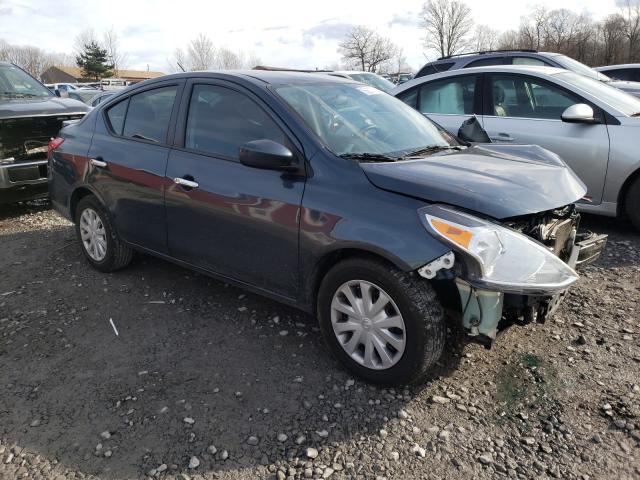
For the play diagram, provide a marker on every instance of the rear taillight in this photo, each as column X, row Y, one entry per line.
column 53, row 144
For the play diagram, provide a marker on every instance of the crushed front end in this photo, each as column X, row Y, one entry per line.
column 512, row 272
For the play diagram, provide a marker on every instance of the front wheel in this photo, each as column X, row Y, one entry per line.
column 383, row 324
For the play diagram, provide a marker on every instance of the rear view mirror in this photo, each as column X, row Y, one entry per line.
column 578, row 113
column 268, row 155
column 472, row 132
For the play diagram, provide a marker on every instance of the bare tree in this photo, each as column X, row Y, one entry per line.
column 484, row 38
column 631, row 13
column 447, row 23
column 85, row 37
column 33, row 59
column 227, row 59
column 201, row 53
column 111, row 43
column 364, row 49
column 613, row 32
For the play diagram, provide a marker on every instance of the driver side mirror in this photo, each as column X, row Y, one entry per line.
column 267, row 155
column 579, row 113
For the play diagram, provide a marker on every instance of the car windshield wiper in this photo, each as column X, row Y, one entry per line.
column 18, row 94
column 430, row 149
column 637, row 114
column 369, row 157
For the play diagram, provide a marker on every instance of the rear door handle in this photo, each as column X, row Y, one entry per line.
column 98, row 162
column 185, row 183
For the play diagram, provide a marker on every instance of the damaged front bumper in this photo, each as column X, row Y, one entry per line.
column 486, row 311
column 22, row 180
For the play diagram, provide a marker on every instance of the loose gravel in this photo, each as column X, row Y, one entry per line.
column 200, row 381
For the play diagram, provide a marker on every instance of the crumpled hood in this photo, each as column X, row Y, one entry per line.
column 29, row 107
column 501, row 181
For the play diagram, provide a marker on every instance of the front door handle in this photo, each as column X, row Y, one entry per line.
column 185, row 182
column 98, row 162
column 502, row 137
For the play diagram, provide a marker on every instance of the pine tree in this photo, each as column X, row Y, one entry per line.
column 94, row 62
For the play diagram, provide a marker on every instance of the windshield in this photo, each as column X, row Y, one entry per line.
column 358, row 119
column 15, row 83
column 580, row 68
column 373, row 80
column 621, row 101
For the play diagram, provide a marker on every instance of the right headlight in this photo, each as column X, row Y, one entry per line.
column 505, row 259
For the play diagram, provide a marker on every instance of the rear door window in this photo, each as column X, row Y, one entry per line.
column 452, row 96
column 529, row 61
column 149, row 114
column 115, row 116
column 220, row 120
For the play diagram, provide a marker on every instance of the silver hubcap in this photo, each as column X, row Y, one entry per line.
column 368, row 324
column 93, row 235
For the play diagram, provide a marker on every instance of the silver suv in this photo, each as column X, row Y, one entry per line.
column 593, row 127
column 523, row 57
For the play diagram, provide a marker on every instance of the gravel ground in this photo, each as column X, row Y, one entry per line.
column 204, row 380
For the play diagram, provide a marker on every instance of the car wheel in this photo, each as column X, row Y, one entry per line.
column 385, row 325
column 98, row 239
column 632, row 203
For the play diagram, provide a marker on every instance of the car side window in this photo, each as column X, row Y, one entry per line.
column 410, row 97
column 622, row 74
column 523, row 97
column 149, row 113
column 435, row 68
column 115, row 116
column 528, row 61
column 483, row 62
column 220, row 120
column 453, row 96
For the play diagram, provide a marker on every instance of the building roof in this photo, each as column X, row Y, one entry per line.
column 76, row 72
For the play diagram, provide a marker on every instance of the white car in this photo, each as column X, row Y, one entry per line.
column 592, row 126
column 370, row 78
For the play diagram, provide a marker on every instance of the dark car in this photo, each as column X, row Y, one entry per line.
column 30, row 115
column 523, row 57
column 328, row 195
column 629, row 72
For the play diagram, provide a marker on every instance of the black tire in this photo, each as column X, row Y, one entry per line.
column 424, row 320
column 118, row 255
column 632, row 203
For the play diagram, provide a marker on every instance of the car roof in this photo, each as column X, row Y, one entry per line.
column 261, row 77
column 531, row 69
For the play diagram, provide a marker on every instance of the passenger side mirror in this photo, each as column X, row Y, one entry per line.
column 579, row 113
column 472, row 132
column 267, row 155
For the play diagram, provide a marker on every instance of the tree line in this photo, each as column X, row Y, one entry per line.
column 450, row 30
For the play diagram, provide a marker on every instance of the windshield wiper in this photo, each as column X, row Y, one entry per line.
column 430, row 149
column 637, row 114
column 369, row 157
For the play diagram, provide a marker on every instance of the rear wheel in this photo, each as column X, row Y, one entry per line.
column 98, row 239
column 632, row 203
column 383, row 324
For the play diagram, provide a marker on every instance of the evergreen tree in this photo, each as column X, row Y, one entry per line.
column 94, row 62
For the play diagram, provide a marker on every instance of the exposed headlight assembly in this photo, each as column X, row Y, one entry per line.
column 501, row 259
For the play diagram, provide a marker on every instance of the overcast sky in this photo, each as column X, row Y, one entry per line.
column 298, row 34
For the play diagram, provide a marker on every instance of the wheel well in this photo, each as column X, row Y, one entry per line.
column 77, row 195
column 623, row 191
column 331, row 259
